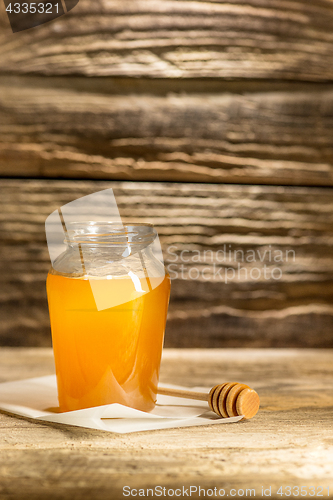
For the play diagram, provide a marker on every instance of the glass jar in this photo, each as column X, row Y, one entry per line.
column 108, row 297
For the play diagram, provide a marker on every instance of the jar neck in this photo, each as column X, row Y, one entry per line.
column 108, row 249
column 99, row 235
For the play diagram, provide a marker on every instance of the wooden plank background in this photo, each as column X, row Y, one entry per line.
column 278, row 137
column 213, row 120
column 276, row 39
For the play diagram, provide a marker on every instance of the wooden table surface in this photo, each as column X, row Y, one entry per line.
column 289, row 443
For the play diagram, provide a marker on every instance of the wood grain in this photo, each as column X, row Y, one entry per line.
column 288, row 443
column 206, row 309
column 276, row 137
column 288, row 40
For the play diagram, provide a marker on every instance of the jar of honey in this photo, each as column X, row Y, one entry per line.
column 108, row 296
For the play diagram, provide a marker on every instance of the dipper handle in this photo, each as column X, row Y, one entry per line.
column 230, row 399
column 183, row 393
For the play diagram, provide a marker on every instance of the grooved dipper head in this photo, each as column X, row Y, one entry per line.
column 233, row 399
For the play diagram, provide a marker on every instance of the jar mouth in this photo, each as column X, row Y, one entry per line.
column 109, row 233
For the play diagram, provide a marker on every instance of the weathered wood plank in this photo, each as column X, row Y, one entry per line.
column 179, row 39
column 40, row 461
column 265, row 138
column 209, row 305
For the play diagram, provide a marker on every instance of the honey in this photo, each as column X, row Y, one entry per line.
column 111, row 355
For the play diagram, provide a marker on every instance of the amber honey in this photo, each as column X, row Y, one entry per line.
column 111, row 355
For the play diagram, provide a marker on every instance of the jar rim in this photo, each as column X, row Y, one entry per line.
column 109, row 223
column 109, row 233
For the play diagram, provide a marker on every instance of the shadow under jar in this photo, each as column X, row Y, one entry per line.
column 108, row 298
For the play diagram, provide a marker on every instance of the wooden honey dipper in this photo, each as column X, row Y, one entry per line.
column 230, row 399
